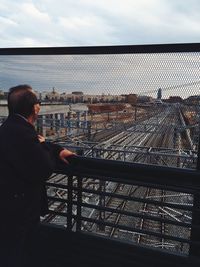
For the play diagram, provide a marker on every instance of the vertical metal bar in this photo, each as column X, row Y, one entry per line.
column 135, row 112
column 89, row 130
column 51, row 121
column 79, row 203
column 39, row 124
column 56, row 123
column 102, row 203
column 62, row 119
column 69, row 204
column 78, row 122
column 198, row 155
column 195, row 233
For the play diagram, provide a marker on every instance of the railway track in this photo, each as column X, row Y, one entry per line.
column 162, row 137
column 156, row 226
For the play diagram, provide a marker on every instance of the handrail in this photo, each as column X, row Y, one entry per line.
column 137, row 172
column 91, row 50
column 134, row 174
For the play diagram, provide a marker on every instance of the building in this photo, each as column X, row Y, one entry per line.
column 174, row 99
column 193, row 100
column 132, row 99
column 159, row 94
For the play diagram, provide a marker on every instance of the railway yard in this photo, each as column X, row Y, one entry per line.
column 144, row 215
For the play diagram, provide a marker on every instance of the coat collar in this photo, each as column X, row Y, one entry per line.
column 20, row 119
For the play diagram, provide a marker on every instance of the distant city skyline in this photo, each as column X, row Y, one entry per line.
column 142, row 74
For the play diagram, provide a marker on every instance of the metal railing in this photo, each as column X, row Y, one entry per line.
column 145, row 205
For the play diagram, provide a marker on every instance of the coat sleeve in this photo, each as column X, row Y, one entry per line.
column 53, row 149
column 30, row 159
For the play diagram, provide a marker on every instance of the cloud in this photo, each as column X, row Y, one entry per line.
column 6, row 24
column 176, row 74
column 92, row 28
column 75, row 23
column 32, row 12
column 27, row 23
column 105, row 22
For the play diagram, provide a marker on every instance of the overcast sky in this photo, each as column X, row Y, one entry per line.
column 39, row 23
column 98, row 22
column 143, row 74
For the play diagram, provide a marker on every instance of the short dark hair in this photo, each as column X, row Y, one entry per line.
column 21, row 100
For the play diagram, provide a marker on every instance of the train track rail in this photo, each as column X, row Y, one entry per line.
column 162, row 137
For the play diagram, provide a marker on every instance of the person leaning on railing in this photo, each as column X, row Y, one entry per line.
column 26, row 161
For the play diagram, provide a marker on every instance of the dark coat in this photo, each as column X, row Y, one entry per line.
column 25, row 164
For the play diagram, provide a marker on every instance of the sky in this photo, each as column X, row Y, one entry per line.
column 102, row 22
column 44, row 23
column 143, row 74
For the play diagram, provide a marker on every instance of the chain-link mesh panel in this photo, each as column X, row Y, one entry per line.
column 130, row 107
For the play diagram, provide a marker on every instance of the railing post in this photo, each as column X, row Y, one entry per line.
column 79, row 203
column 39, row 124
column 195, row 232
column 198, row 155
column 88, row 130
column 69, row 203
column 102, row 203
column 135, row 115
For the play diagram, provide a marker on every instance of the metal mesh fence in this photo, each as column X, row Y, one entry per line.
column 137, row 107
column 140, row 107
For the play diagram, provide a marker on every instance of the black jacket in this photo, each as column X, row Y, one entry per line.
column 25, row 164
